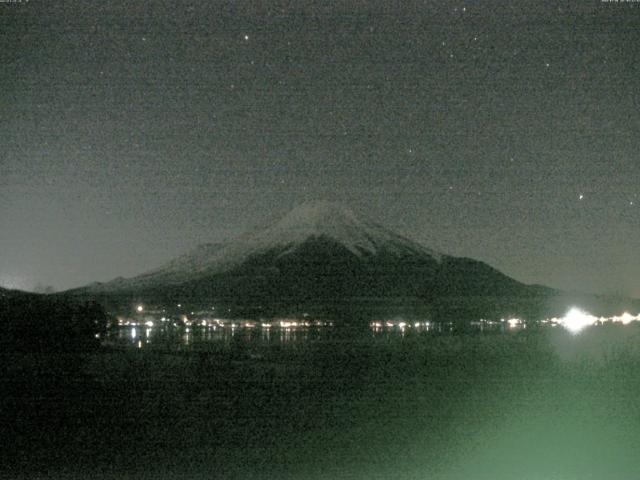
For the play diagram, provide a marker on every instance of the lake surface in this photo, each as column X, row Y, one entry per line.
column 251, row 334
column 199, row 337
column 315, row 403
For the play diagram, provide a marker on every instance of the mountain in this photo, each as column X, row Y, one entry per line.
column 323, row 258
column 333, row 225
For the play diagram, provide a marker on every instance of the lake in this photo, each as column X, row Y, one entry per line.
column 319, row 403
column 252, row 334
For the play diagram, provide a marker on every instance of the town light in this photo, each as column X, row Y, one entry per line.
column 575, row 320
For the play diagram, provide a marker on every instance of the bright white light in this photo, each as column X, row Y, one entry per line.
column 575, row 320
column 514, row 322
column 149, row 323
column 627, row 318
column 140, row 308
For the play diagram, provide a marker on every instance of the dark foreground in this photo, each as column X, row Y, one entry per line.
column 526, row 406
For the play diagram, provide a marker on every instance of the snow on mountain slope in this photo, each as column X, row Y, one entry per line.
column 180, row 269
column 327, row 220
column 338, row 223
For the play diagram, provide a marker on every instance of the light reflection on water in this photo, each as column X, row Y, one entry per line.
column 258, row 334
column 169, row 336
column 166, row 332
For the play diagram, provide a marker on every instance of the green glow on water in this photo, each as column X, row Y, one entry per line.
column 530, row 405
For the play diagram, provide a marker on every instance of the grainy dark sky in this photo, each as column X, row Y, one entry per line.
column 504, row 131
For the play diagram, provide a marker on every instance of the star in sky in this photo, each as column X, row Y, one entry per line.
column 346, row 99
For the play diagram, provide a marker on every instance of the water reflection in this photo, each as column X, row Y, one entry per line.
column 172, row 335
column 168, row 335
column 165, row 333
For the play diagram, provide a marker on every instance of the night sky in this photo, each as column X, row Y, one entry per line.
column 504, row 131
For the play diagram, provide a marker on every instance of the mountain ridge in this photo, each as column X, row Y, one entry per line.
column 324, row 256
column 311, row 220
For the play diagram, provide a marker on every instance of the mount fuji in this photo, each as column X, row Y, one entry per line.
column 322, row 257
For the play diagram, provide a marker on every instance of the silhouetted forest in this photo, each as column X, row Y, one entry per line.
column 40, row 323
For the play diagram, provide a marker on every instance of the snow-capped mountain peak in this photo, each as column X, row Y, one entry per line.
column 328, row 221
column 331, row 220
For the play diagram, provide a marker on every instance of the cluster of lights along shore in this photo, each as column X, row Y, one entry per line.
column 574, row 321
